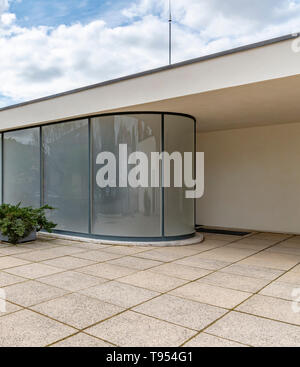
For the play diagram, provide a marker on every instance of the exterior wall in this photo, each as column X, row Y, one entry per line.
column 252, row 178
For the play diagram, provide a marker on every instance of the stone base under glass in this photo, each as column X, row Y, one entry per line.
column 198, row 238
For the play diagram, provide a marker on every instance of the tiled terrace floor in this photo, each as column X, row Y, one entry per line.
column 225, row 291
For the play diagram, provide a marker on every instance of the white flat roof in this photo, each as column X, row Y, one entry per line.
column 252, row 85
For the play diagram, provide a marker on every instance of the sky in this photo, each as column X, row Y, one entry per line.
column 50, row 46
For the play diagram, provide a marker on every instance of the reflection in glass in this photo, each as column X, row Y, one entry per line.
column 179, row 211
column 71, row 187
column 21, row 167
column 126, row 211
column 66, row 174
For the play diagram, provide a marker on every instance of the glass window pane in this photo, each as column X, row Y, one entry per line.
column 21, row 167
column 179, row 211
column 126, row 211
column 66, row 174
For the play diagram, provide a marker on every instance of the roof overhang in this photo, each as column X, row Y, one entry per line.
column 251, row 86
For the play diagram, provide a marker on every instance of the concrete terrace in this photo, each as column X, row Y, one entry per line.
column 225, row 291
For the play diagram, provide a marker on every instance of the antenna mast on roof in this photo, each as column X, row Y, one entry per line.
column 170, row 34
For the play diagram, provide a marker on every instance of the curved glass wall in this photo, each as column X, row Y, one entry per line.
column 101, row 175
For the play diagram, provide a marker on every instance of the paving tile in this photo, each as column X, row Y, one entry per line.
column 71, row 280
column 33, row 271
column 107, row 271
column 234, row 281
column 296, row 269
column 81, row 340
column 180, row 271
column 4, row 244
column 13, row 250
column 290, row 277
column 285, row 250
column 97, row 255
column 253, row 271
column 281, row 290
column 207, row 244
column 86, row 245
column 52, row 253
column 153, row 281
column 65, row 242
column 256, row 331
column 28, row 329
column 227, row 254
column 199, row 262
column 135, row 262
column 9, row 308
column 252, row 243
column 221, row 237
column 126, row 250
column 10, row 262
column 294, row 239
column 31, row 293
column 68, row 262
column 45, row 237
column 38, row 245
column 271, row 236
column 77, row 310
column 180, row 250
column 210, row 294
column 207, row 340
column 272, row 260
column 165, row 254
column 121, row 294
column 288, row 244
column 285, row 245
column 134, row 330
column 180, row 311
column 273, row 308
column 8, row 279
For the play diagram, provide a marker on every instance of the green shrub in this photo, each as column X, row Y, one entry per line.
column 17, row 223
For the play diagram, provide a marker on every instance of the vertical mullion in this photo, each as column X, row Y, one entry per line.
column 90, row 182
column 162, row 176
column 41, row 168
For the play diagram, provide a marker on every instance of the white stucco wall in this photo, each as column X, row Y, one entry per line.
column 252, row 178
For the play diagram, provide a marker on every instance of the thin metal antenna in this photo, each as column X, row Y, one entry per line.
column 170, row 33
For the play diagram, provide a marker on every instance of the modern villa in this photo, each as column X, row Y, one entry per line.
column 240, row 107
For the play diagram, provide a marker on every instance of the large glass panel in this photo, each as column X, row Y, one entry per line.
column 21, row 167
column 179, row 211
column 126, row 211
column 66, row 174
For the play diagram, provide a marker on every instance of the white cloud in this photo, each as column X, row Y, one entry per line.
column 39, row 61
column 7, row 18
